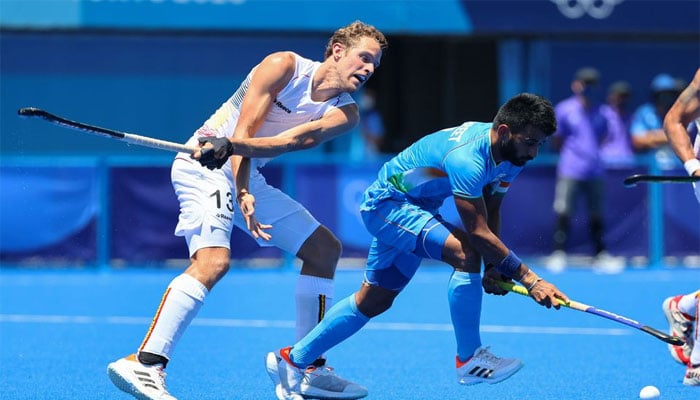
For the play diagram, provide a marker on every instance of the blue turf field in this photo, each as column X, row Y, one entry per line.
column 59, row 330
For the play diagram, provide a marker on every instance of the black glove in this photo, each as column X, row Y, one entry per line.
column 491, row 273
column 215, row 157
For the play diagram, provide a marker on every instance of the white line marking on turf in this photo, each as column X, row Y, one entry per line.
column 260, row 323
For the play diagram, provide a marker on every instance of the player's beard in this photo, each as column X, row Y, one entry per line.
column 509, row 153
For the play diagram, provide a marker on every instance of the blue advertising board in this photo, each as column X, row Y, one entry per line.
column 393, row 17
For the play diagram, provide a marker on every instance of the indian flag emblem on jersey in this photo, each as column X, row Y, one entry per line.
column 408, row 180
column 501, row 187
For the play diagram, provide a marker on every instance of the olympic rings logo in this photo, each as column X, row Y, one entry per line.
column 598, row 9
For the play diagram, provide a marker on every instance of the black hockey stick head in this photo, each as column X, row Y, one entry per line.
column 31, row 112
column 631, row 181
column 674, row 340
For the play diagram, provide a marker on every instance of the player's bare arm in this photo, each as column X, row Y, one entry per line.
column 310, row 134
column 493, row 203
column 683, row 112
column 304, row 136
column 473, row 214
column 269, row 78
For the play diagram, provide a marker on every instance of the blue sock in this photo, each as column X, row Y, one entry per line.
column 340, row 322
column 464, row 295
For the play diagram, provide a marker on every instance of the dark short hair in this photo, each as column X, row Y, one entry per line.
column 620, row 87
column 588, row 75
column 351, row 34
column 527, row 110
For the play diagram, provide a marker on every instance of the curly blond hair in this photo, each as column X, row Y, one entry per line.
column 351, row 34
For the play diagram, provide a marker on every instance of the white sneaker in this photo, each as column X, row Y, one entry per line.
column 679, row 325
column 606, row 264
column 145, row 382
column 692, row 376
column 271, row 361
column 318, row 381
column 289, row 376
column 556, row 262
column 483, row 366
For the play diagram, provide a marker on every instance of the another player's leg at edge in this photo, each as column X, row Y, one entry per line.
column 683, row 315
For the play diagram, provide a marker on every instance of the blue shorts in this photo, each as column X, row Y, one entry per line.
column 404, row 234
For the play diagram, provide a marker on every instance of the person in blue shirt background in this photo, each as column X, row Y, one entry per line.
column 647, row 121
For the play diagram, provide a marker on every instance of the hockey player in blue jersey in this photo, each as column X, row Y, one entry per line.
column 473, row 163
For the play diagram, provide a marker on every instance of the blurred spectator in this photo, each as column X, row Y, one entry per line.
column 581, row 129
column 647, row 121
column 616, row 149
column 371, row 124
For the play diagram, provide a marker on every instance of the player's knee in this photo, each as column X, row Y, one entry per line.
column 372, row 308
column 219, row 266
column 320, row 254
column 210, row 270
column 467, row 261
column 373, row 300
column 327, row 249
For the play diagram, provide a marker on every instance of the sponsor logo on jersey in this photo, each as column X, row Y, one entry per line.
column 282, row 106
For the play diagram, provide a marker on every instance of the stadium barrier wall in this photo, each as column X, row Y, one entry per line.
column 73, row 199
column 122, row 211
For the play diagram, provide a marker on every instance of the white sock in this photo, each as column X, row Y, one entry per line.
column 180, row 304
column 314, row 296
column 688, row 303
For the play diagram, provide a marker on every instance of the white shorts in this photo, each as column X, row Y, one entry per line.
column 208, row 210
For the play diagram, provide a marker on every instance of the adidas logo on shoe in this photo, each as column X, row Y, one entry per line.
column 481, row 372
column 483, row 366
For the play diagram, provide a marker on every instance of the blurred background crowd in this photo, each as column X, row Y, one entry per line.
column 160, row 67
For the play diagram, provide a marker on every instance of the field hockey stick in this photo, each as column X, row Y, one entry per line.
column 104, row 132
column 633, row 180
column 674, row 340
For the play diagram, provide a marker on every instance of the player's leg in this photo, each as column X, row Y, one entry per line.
column 564, row 199
column 474, row 362
column 206, row 223
column 296, row 231
column 594, row 196
column 314, row 299
column 680, row 312
column 342, row 321
column 691, row 303
column 314, row 291
column 141, row 374
column 390, row 265
column 564, row 196
column 464, row 289
column 348, row 316
column 384, row 280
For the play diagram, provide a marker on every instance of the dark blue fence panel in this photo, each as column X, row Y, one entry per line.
column 55, row 213
column 49, row 212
